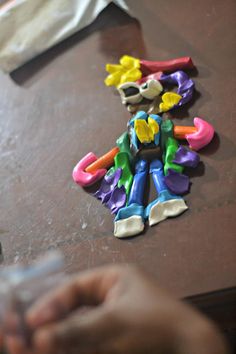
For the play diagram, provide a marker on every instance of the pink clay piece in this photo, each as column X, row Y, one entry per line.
column 202, row 137
column 83, row 178
column 155, row 76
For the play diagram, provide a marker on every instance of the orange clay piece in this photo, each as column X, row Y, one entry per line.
column 181, row 132
column 104, row 161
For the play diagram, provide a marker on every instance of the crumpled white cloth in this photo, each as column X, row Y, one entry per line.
column 29, row 27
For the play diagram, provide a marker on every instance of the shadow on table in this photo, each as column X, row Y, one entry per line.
column 111, row 16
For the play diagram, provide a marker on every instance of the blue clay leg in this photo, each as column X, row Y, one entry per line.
column 137, row 189
column 167, row 204
column 130, row 219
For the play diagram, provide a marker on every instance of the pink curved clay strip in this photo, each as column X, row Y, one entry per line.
column 202, row 137
column 155, row 76
column 83, row 178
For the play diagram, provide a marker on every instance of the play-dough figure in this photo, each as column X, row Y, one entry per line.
column 149, row 146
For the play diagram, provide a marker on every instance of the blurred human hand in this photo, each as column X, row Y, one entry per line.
column 127, row 314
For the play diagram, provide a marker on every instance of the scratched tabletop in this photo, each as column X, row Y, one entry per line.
column 56, row 108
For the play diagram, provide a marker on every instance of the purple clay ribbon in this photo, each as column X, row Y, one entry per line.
column 108, row 185
column 186, row 157
column 117, row 199
column 185, row 85
column 176, row 182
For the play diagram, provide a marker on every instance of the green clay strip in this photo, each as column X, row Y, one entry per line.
column 122, row 161
column 166, row 132
column 123, row 144
column 171, row 148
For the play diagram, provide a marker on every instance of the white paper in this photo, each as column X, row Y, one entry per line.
column 29, row 27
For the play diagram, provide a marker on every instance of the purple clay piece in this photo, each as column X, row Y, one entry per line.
column 185, row 85
column 117, row 199
column 108, row 185
column 177, row 182
column 186, row 97
column 186, row 157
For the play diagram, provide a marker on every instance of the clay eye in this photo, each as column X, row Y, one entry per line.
column 131, row 91
column 145, row 86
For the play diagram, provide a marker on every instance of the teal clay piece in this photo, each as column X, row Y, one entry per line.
column 111, row 171
column 126, row 179
column 171, row 148
column 167, row 128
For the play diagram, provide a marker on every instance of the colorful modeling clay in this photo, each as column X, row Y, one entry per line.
column 132, row 69
column 132, row 92
column 150, row 145
column 150, row 84
column 127, row 70
column 144, row 129
column 166, row 205
column 151, row 93
column 123, row 144
column 202, row 137
column 198, row 136
column 166, row 133
column 117, row 199
column 185, row 86
column 83, row 178
column 176, row 182
column 130, row 220
column 104, row 161
column 147, row 67
column 154, row 76
column 150, row 153
column 126, row 179
column 147, row 95
column 108, row 185
column 169, row 100
column 186, row 157
column 170, row 151
column 180, row 132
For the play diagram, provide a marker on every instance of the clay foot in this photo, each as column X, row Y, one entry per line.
column 165, row 206
column 129, row 221
column 131, row 226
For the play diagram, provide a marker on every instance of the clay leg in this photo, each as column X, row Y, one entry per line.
column 130, row 219
column 167, row 204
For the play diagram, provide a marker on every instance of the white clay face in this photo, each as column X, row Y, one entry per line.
column 151, row 89
column 132, row 93
column 164, row 210
column 129, row 93
column 128, row 227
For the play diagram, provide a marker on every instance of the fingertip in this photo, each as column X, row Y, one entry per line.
column 43, row 341
column 15, row 345
column 35, row 318
column 40, row 315
column 32, row 319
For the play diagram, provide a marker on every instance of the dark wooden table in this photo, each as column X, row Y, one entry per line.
column 56, row 108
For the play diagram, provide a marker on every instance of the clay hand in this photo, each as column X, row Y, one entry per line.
column 125, row 313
